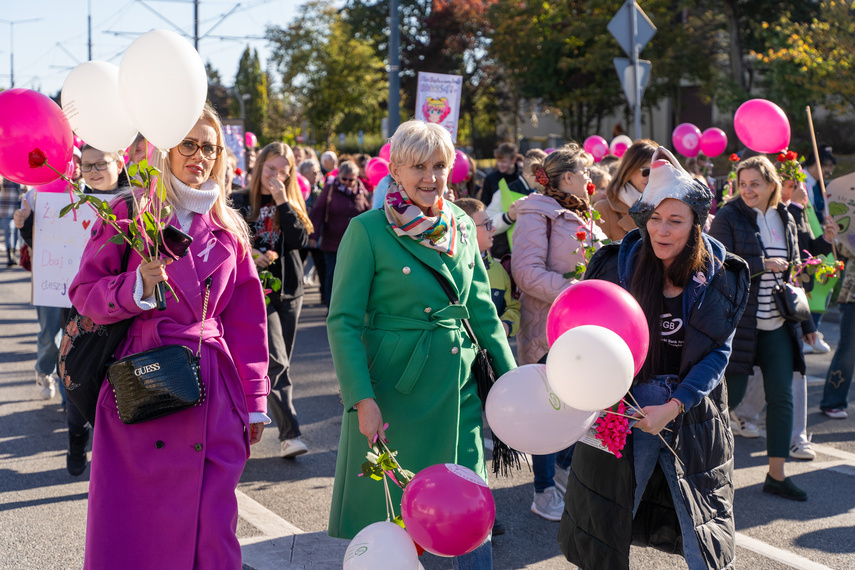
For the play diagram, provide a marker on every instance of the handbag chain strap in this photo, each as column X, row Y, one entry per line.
column 204, row 314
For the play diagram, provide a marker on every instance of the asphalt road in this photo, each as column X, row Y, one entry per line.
column 43, row 508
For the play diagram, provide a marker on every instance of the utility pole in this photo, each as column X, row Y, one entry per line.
column 394, row 68
column 636, row 74
column 196, row 24
column 12, row 45
column 89, row 27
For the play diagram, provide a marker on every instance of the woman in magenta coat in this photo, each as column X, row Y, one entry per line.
column 162, row 492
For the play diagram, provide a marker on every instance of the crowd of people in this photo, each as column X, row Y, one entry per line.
column 418, row 274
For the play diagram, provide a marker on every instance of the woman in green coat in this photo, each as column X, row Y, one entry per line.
column 401, row 353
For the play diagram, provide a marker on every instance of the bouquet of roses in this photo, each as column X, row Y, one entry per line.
column 587, row 238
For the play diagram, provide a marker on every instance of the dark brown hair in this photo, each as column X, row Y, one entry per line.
column 636, row 157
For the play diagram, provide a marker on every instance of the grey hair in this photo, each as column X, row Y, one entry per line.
column 415, row 141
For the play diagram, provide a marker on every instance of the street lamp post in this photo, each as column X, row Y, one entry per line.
column 394, row 68
column 12, row 45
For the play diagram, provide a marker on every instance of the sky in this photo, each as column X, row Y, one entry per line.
column 46, row 50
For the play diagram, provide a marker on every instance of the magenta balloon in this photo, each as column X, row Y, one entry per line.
column 762, row 126
column 597, row 147
column 448, row 509
column 305, row 185
column 549, row 150
column 376, row 170
column 713, row 142
column 460, row 170
column 385, row 151
column 601, row 303
column 251, row 139
column 28, row 121
column 687, row 139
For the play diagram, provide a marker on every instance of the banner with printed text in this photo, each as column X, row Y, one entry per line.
column 57, row 248
column 438, row 100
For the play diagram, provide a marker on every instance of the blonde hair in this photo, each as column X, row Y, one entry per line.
column 415, row 141
column 221, row 214
column 565, row 159
column 767, row 171
column 292, row 186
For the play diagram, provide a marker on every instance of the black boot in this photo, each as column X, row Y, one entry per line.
column 75, row 460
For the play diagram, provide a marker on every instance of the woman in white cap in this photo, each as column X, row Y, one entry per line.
column 693, row 293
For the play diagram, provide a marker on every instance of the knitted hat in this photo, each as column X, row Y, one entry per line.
column 668, row 179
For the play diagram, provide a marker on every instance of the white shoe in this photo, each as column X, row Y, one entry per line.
column 292, row 448
column 45, row 386
column 548, row 504
column 820, row 346
column 802, row 450
column 743, row 428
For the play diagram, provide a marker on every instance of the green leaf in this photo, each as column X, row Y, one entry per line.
column 117, row 239
column 66, row 210
column 133, row 169
column 399, row 521
column 137, row 183
column 276, row 285
column 143, row 164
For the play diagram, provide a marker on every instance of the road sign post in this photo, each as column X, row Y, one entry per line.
column 633, row 30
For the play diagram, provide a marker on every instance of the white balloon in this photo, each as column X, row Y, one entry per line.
column 590, row 368
column 163, row 86
column 381, row 545
column 620, row 139
column 91, row 103
column 523, row 410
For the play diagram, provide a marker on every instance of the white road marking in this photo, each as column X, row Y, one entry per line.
column 777, row 554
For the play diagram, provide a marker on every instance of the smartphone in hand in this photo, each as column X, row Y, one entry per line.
column 175, row 242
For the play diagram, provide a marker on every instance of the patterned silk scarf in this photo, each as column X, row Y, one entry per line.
column 436, row 232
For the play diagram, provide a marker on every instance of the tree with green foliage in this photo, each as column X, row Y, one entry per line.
column 251, row 79
column 335, row 76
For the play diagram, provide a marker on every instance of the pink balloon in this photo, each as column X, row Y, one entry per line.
column 448, row 509
column 597, row 147
column 549, row 150
column 687, row 139
column 376, row 170
column 78, row 142
column 251, row 139
column 762, row 126
column 29, row 121
column 713, row 142
column 460, row 170
column 605, row 304
column 305, row 186
column 619, row 145
column 385, row 152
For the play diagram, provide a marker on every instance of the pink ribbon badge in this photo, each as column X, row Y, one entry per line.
column 208, row 247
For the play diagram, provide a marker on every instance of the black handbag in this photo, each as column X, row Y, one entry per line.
column 160, row 381
column 791, row 301
column 504, row 458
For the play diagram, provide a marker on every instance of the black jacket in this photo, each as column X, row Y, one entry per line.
column 289, row 266
column 736, row 227
column 597, row 526
column 491, row 183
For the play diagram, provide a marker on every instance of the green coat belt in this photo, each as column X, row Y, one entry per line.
column 396, row 337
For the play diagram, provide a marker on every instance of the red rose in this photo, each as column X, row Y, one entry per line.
column 734, row 158
column 37, row 158
column 792, row 155
column 238, row 171
column 591, row 188
column 581, row 235
column 781, row 157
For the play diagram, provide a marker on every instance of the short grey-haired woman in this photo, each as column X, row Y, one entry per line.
column 401, row 353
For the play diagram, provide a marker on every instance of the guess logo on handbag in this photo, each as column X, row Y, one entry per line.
column 146, row 369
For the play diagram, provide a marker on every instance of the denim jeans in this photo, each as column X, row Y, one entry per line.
column 10, row 236
column 47, row 349
column 649, row 450
column 839, row 378
column 479, row 559
column 544, row 467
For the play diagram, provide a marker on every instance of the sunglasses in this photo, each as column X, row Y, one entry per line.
column 98, row 166
column 488, row 225
column 347, row 180
column 645, row 172
column 189, row 148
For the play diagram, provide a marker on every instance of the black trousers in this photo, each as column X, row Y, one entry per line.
column 282, row 317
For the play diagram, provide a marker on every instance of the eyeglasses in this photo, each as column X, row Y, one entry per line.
column 645, row 172
column 189, row 148
column 98, row 166
column 488, row 225
column 583, row 172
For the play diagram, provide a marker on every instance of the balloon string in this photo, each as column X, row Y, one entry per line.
column 674, row 453
column 389, row 504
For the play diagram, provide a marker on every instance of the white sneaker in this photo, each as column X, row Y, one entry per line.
column 820, row 346
column 45, row 386
column 561, row 476
column 292, row 448
column 802, row 450
column 743, row 428
column 548, row 504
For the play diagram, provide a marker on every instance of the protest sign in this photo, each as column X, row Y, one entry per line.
column 438, row 100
